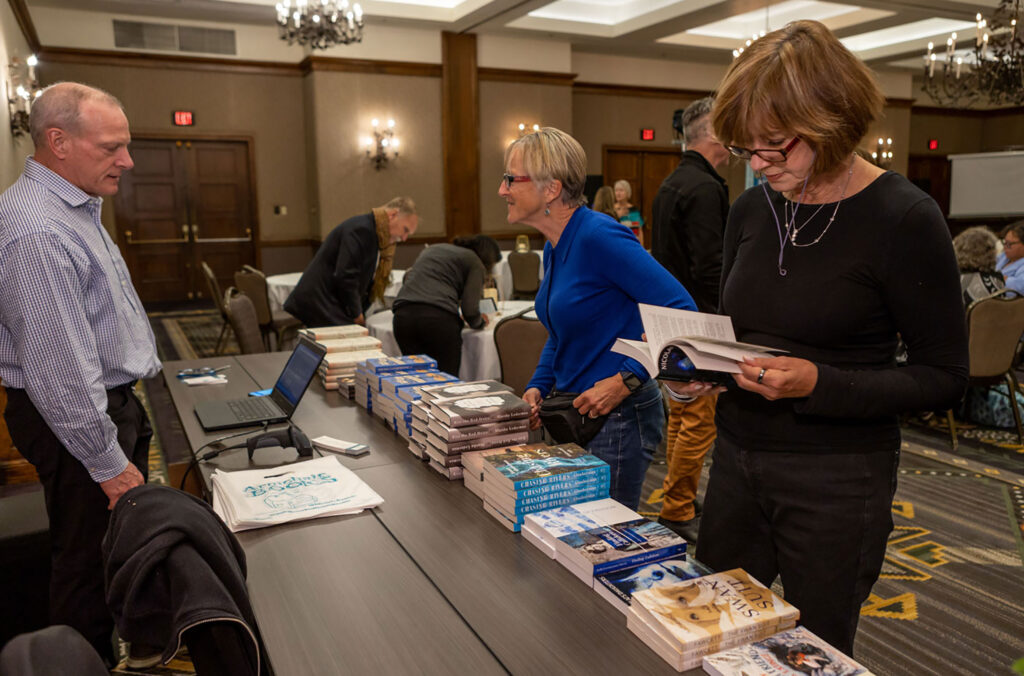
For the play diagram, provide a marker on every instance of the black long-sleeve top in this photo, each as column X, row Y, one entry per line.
column 689, row 214
column 448, row 277
column 884, row 267
column 335, row 288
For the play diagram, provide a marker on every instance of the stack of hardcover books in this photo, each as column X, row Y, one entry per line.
column 484, row 418
column 788, row 653
column 536, row 477
column 685, row 621
column 601, row 537
column 368, row 374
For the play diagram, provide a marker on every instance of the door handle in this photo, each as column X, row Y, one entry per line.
column 221, row 240
column 184, row 238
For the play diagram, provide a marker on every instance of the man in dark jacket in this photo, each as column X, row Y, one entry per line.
column 352, row 266
column 689, row 216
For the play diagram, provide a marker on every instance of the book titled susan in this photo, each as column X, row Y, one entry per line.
column 682, row 622
column 794, row 652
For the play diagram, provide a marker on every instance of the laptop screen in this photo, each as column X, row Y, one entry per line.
column 297, row 374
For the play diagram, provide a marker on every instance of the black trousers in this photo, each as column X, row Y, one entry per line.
column 77, row 508
column 820, row 521
column 429, row 330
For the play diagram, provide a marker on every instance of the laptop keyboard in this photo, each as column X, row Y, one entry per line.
column 256, row 408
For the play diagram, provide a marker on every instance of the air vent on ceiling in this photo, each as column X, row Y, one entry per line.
column 168, row 37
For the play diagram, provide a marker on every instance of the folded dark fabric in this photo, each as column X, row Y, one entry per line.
column 171, row 564
column 564, row 423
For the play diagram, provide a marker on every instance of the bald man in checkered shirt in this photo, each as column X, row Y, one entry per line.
column 74, row 339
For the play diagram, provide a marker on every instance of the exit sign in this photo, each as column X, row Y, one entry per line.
column 933, row 144
column 183, row 118
column 646, row 134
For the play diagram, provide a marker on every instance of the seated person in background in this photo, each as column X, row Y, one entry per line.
column 352, row 267
column 975, row 250
column 1011, row 261
column 444, row 278
column 604, row 202
column 626, row 212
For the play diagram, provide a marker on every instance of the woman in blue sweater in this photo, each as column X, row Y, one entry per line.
column 595, row 274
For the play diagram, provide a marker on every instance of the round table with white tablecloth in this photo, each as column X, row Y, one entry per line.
column 479, row 355
column 279, row 286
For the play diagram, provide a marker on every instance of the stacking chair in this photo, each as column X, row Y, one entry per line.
column 995, row 325
column 218, row 300
column 519, row 340
column 244, row 321
column 525, row 274
column 253, row 283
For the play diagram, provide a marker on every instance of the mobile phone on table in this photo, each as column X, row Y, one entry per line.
column 487, row 306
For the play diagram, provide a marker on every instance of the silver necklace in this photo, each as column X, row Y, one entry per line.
column 795, row 230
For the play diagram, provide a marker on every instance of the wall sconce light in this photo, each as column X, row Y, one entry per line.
column 22, row 89
column 383, row 145
column 882, row 154
column 525, row 129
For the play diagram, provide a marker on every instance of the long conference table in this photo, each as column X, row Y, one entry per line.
column 427, row 583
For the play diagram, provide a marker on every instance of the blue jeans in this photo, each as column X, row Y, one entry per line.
column 628, row 441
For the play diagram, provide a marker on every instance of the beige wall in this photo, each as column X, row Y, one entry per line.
column 269, row 108
column 342, row 106
column 894, row 124
column 503, row 105
column 12, row 151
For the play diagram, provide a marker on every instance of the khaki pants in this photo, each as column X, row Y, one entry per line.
column 691, row 431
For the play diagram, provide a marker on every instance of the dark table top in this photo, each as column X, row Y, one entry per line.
column 425, row 583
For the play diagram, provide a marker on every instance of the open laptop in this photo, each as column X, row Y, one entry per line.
column 279, row 405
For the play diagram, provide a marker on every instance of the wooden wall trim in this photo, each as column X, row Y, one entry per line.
column 104, row 57
column 630, row 90
column 966, row 112
column 24, row 19
column 899, row 103
column 525, row 76
column 335, row 64
column 281, row 243
column 460, row 133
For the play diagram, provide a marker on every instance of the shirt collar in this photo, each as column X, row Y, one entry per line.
column 694, row 156
column 58, row 185
column 569, row 233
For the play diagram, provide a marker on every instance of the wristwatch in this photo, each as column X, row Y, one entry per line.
column 631, row 380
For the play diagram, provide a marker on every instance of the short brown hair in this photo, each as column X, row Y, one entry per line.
column 550, row 154
column 799, row 79
column 1016, row 228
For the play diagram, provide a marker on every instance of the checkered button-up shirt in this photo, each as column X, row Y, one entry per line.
column 71, row 324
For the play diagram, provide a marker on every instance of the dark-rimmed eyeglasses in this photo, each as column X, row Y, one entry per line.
column 509, row 179
column 766, row 154
column 1010, row 242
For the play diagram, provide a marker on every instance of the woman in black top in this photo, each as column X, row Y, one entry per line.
column 830, row 259
column 444, row 278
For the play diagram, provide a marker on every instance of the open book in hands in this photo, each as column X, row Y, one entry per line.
column 685, row 346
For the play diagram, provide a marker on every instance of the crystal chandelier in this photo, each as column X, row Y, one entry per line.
column 319, row 23
column 991, row 73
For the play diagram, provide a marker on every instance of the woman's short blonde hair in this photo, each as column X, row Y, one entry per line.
column 799, row 80
column 624, row 184
column 550, row 154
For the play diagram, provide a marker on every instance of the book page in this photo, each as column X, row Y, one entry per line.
column 639, row 350
column 662, row 324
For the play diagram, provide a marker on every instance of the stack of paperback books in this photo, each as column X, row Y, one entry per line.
column 685, row 621
column 789, row 653
column 368, row 374
column 420, row 410
column 302, row 490
column 619, row 586
column 601, row 537
column 403, row 389
column 346, row 346
column 488, row 415
column 473, row 468
column 536, row 477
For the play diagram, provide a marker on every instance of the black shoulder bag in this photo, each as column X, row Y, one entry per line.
column 564, row 423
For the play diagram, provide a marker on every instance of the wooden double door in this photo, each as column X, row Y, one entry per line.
column 186, row 201
column 645, row 168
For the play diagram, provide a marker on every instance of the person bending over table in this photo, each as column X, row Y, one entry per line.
column 830, row 259
column 595, row 273
column 352, row 267
column 444, row 278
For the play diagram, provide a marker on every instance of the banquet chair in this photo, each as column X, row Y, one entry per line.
column 995, row 325
column 525, row 274
column 253, row 283
column 218, row 300
column 519, row 340
column 522, row 243
column 244, row 321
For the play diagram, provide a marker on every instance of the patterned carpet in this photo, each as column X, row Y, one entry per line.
column 190, row 334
